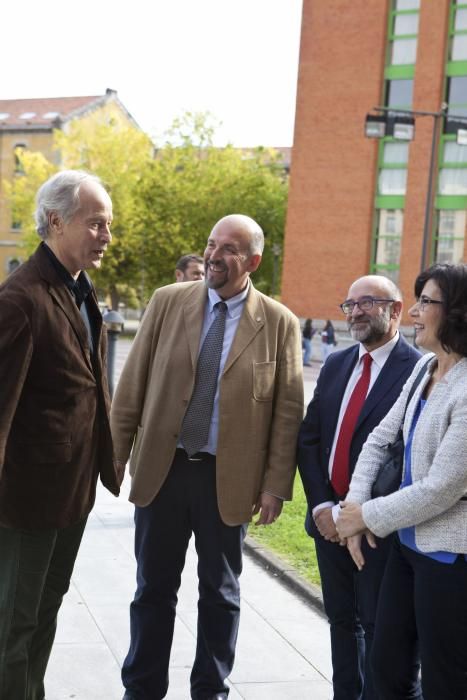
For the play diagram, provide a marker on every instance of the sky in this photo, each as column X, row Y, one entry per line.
column 236, row 59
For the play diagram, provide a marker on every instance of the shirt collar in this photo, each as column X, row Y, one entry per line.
column 381, row 354
column 79, row 288
column 234, row 304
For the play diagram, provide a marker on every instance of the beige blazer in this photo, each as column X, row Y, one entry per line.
column 260, row 405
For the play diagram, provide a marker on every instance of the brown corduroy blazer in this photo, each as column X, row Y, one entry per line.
column 261, row 398
column 54, row 427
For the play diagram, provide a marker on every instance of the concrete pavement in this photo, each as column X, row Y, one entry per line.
column 283, row 649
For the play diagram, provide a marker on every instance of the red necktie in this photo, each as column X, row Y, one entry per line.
column 340, row 467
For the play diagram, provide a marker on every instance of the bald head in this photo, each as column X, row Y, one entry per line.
column 384, row 285
column 246, row 225
column 233, row 251
column 376, row 325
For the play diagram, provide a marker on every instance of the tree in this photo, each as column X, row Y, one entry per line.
column 190, row 186
column 21, row 191
column 120, row 155
column 165, row 202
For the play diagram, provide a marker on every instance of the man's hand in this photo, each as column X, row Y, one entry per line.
column 269, row 508
column 326, row 525
column 350, row 521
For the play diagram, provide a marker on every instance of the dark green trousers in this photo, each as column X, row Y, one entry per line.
column 35, row 572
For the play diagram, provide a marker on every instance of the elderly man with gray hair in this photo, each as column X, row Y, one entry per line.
column 54, row 427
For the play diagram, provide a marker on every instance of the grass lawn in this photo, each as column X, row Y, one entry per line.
column 287, row 538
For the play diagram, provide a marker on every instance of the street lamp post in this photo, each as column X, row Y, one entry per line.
column 400, row 123
column 114, row 323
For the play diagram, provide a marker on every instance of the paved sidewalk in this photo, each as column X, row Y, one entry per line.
column 283, row 649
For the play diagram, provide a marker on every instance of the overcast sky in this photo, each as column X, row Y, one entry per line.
column 237, row 59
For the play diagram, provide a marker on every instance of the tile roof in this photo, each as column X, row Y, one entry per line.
column 42, row 111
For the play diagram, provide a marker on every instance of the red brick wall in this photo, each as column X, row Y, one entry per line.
column 333, row 174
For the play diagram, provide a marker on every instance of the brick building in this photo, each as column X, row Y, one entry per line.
column 29, row 124
column 357, row 205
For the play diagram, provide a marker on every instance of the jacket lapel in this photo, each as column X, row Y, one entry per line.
column 251, row 322
column 389, row 375
column 64, row 300
column 193, row 314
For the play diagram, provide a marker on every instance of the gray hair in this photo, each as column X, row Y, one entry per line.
column 60, row 194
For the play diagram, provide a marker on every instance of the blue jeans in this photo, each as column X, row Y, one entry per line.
column 306, row 351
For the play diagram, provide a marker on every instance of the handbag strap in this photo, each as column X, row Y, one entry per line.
column 417, row 381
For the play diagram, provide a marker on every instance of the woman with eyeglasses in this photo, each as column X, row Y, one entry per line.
column 422, row 610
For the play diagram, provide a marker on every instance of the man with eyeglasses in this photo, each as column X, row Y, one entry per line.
column 355, row 389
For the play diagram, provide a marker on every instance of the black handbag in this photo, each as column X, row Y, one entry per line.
column 390, row 472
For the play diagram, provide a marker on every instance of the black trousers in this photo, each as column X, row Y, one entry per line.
column 426, row 600
column 186, row 504
column 350, row 601
column 35, row 572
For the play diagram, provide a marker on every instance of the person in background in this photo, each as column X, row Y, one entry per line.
column 423, row 603
column 307, row 334
column 189, row 268
column 54, row 421
column 328, row 340
column 355, row 389
column 212, row 398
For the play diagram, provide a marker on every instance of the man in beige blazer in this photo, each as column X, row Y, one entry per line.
column 246, row 466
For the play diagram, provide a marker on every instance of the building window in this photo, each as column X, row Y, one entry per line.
column 392, row 181
column 399, row 94
column 388, row 242
column 401, row 5
column 403, row 33
column 449, row 240
column 16, row 225
column 395, row 152
column 457, row 96
column 459, row 32
column 19, row 148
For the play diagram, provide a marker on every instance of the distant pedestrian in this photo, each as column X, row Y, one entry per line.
column 328, row 340
column 54, row 421
column 307, row 334
column 189, row 268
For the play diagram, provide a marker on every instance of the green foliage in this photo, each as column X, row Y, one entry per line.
column 191, row 186
column 120, row 155
column 165, row 202
column 288, row 539
column 21, row 191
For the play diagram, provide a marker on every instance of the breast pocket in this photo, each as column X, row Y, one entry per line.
column 263, row 380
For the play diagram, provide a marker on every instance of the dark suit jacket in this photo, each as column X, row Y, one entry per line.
column 317, row 430
column 54, row 426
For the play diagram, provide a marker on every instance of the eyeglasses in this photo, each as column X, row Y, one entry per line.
column 365, row 304
column 424, row 301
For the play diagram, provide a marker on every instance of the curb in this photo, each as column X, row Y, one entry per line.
column 286, row 574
